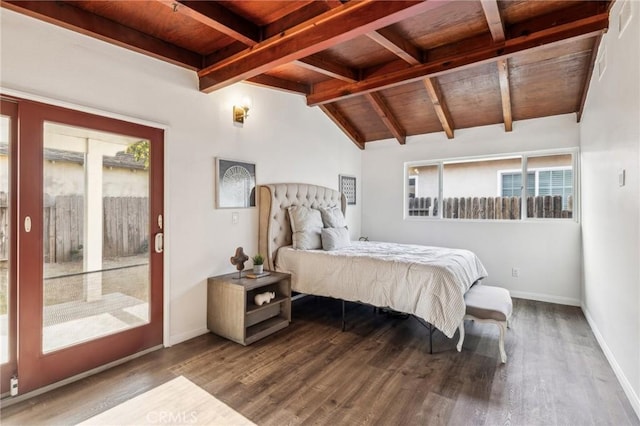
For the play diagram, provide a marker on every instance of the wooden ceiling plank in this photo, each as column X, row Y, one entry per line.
column 397, row 45
column 335, row 26
column 435, row 94
column 75, row 19
column 505, row 93
column 587, row 80
column 327, row 67
column 218, row 17
column 460, row 58
column 386, row 115
column 494, row 20
column 297, row 17
column 266, row 80
column 344, row 124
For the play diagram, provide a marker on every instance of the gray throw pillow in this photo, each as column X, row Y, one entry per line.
column 335, row 238
column 306, row 225
column 332, row 217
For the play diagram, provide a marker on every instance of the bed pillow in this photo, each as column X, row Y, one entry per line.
column 306, row 225
column 332, row 217
column 335, row 238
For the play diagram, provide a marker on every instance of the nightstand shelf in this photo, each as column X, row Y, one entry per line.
column 232, row 313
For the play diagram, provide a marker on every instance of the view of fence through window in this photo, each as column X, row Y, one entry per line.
column 96, row 235
column 492, row 188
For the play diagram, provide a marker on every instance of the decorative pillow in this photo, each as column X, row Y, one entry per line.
column 306, row 225
column 335, row 238
column 332, row 217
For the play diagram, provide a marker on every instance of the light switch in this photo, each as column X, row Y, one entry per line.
column 235, row 217
column 621, row 177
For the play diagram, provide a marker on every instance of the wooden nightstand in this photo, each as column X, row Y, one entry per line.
column 232, row 313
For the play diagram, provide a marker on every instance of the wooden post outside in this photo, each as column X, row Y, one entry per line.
column 548, row 206
column 539, row 210
column 491, row 208
column 557, row 206
column 515, row 208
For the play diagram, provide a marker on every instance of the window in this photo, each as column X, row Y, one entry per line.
column 467, row 188
column 422, row 190
column 512, row 184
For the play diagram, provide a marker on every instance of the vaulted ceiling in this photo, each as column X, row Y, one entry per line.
column 378, row 69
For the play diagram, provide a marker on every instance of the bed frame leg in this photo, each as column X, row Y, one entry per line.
column 343, row 321
column 430, row 339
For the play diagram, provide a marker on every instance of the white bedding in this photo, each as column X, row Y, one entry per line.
column 428, row 282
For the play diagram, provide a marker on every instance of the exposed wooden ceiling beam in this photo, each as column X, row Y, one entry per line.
column 75, row 19
column 306, row 12
column 387, row 116
column 496, row 26
column 218, row 17
column 344, row 124
column 327, row 67
column 435, row 94
column 505, row 93
column 494, row 20
column 319, row 33
column 279, row 83
column 471, row 52
column 587, row 80
column 396, row 44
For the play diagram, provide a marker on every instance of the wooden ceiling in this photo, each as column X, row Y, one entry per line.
column 378, row 69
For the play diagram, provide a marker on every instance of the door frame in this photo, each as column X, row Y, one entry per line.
column 10, row 107
column 160, row 337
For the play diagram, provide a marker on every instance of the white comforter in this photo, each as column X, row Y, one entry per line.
column 428, row 282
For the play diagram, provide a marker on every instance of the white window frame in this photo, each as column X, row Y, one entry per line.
column 524, row 156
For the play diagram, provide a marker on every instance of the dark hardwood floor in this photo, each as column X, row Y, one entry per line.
column 379, row 371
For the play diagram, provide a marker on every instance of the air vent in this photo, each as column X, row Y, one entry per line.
column 624, row 17
column 602, row 63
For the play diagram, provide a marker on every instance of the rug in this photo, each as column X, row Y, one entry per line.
column 177, row 402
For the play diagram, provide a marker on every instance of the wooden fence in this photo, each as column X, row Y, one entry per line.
column 546, row 206
column 125, row 227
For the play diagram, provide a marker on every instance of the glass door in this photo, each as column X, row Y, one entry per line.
column 8, row 300
column 90, row 246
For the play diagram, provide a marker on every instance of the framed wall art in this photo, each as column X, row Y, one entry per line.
column 348, row 187
column 235, row 184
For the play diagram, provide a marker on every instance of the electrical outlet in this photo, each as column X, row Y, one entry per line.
column 515, row 272
column 235, row 218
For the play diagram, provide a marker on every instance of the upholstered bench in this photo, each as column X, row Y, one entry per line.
column 489, row 304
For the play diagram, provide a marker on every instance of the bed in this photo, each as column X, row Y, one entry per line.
column 427, row 282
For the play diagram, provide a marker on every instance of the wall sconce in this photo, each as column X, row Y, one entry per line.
column 241, row 112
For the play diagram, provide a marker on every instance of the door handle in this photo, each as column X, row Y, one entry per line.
column 159, row 242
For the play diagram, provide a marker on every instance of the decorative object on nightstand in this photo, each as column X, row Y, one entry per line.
column 233, row 311
column 265, row 297
column 238, row 260
column 258, row 264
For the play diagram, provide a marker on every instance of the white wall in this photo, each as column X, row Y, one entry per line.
column 547, row 253
column 286, row 140
column 610, row 142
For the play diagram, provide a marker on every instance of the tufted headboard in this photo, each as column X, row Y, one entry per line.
column 274, row 227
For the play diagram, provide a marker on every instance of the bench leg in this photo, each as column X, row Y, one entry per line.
column 503, row 328
column 461, row 340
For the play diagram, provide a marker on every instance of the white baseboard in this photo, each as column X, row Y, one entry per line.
column 634, row 399
column 179, row 338
column 560, row 300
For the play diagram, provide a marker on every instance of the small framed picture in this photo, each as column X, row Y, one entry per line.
column 235, row 184
column 348, row 187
